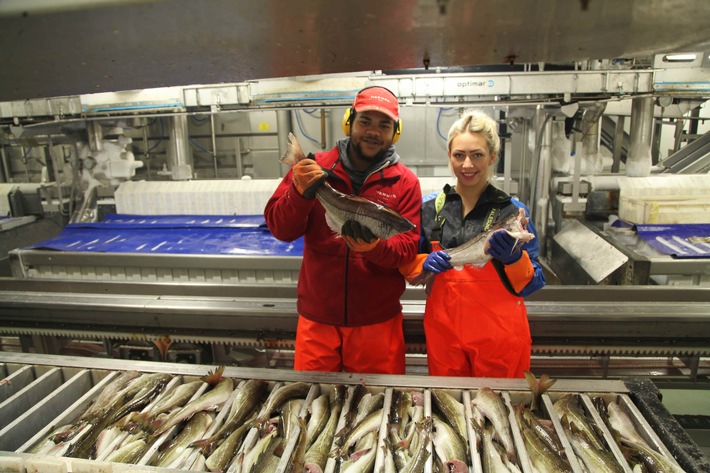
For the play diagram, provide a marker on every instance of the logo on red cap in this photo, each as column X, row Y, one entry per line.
column 377, row 99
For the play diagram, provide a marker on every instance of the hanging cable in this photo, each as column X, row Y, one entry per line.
column 303, row 132
column 438, row 121
column 197, row 145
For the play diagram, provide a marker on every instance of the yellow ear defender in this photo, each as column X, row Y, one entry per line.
column 348, row 116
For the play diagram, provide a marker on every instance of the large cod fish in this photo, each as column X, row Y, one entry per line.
column 339, row 208
column 475, row 251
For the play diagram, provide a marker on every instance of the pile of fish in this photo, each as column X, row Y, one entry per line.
column 221, row 424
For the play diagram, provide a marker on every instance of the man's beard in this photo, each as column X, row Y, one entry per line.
column 370, row 159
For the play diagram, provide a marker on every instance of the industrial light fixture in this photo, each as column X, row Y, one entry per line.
column 679, row 57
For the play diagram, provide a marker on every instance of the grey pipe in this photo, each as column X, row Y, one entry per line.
column 6, row 177
column 96, row 136
column 284, row 126
column 179, row 155
column 638, row 162
column 214, row 144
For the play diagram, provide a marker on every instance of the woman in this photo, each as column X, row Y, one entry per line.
column 475, row 319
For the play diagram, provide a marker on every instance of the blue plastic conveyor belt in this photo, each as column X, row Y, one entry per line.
column 245, row 235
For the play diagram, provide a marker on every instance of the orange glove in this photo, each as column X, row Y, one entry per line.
column 361, row 246
column 307, row 177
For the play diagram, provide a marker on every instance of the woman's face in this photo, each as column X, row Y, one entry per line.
column 470, row 159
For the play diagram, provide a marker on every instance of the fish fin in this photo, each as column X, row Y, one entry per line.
column 213, row 377
column 332, row 224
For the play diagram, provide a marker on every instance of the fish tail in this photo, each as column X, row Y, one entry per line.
column 293, row 153
column 213, row 377
column 538, row 387
column 422, row 279
column 206, row 446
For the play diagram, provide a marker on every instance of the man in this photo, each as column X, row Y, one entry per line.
column 349, row 287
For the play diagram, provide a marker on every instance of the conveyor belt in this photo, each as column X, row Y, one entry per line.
column 47, row 391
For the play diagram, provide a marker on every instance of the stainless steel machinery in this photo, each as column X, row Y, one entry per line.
column 41, row 393
column 577, row 330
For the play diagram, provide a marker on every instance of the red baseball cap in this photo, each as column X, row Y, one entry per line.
column 377, row 99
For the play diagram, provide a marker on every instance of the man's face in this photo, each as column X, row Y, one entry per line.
column 371, row 135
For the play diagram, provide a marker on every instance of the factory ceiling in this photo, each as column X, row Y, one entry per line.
column 70, row 47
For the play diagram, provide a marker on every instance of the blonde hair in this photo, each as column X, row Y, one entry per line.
column 476, row 121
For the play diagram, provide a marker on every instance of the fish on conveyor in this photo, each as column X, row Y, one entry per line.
column 598, row 460
column 209, row 401
column 622, row 423
column 289, row 418
column 367, row 425
column 543, row 428
column 298, row 457
column 494, row 459
column 475, row 251
column 339, row 208
column 264, row 447
column 278, row 398
column 544, row 457
column 319, row 409
column 193, row 430
column 48, row 443
column 569, row 406
column 369, row 404
column 108, row 394
column 652, row 460
column 223, row 455
column 248, row 397
column 145, row 392
column 451, row 410
column 136, row 395
column 175, row 399
column 400, row 410
column 364, row 461
column 449, row 446
column 317, row 454
column 422, row 453
column 106, row 439
column 128, row 453
column 493, row 408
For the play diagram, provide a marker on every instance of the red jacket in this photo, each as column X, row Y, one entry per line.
column 337, row 286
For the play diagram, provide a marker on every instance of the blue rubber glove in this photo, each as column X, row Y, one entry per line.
column 504, row 249
column 437, row 262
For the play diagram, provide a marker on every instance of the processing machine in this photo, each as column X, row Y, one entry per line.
column 135, row 166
